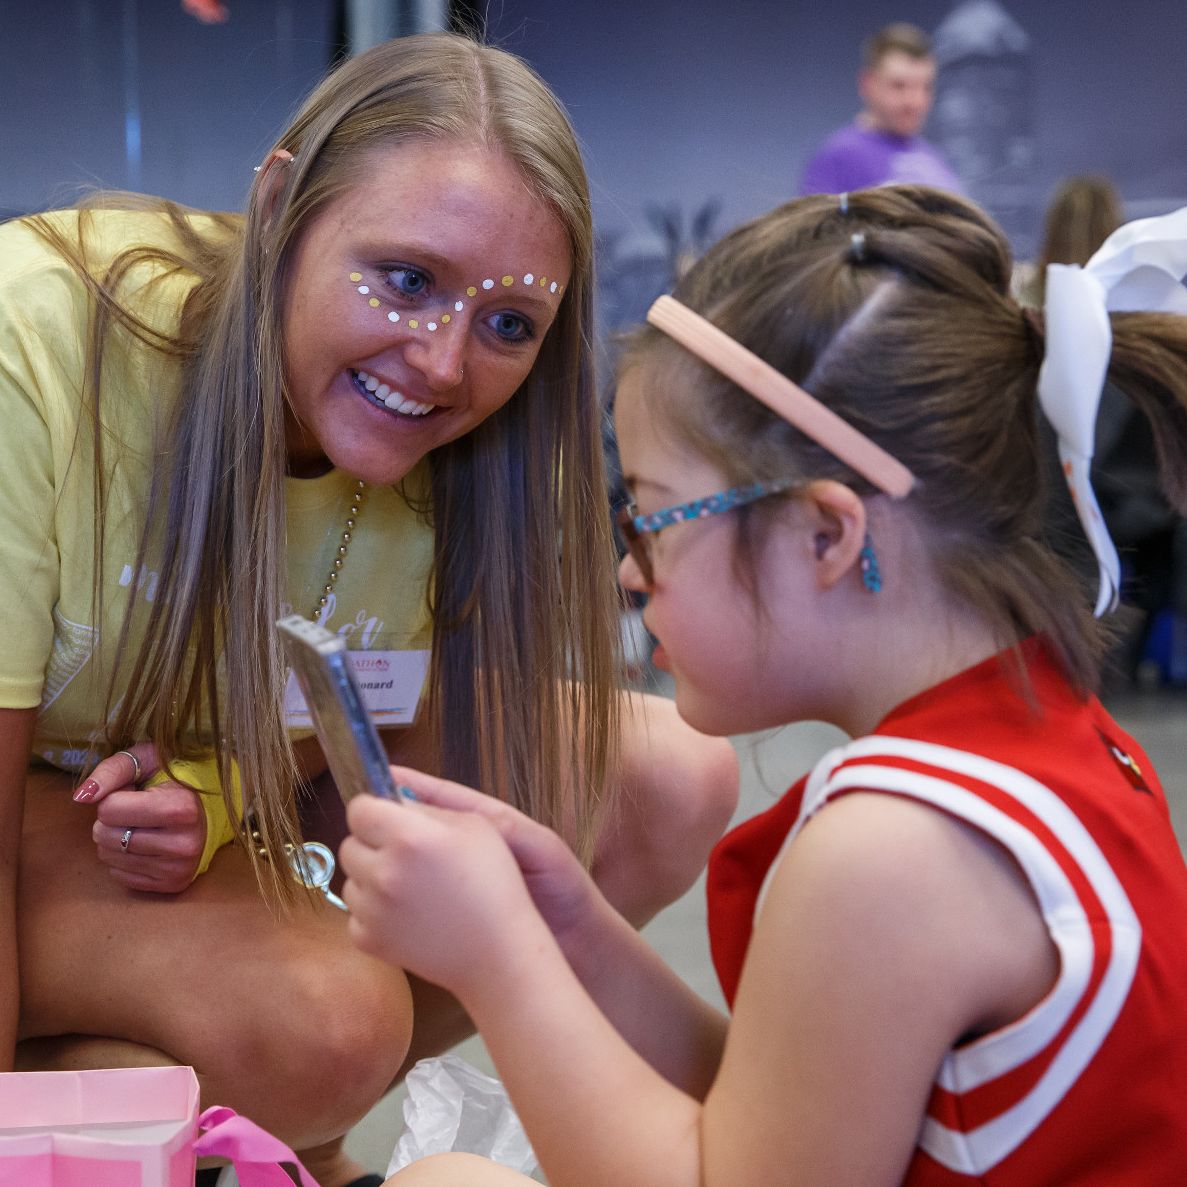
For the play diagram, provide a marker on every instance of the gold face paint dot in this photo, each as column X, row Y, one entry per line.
column 414, row 323
column 393, row 316
column 488, row 283
column 471, row 291
column 457, row 305
column 508, row 281
column 543, row 281
column 528, row 278
column 432, row 325
column 445, row 319
column 356, row 276
column 374, row 302
column 364, row 289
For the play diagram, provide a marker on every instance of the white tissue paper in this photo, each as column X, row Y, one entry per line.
column 452, row 1106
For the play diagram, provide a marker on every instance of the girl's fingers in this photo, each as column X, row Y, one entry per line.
column 119, row 770
column 430, row 789
column 456, row 797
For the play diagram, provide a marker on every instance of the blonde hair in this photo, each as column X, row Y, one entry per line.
column 521, row 695
column 895, row 312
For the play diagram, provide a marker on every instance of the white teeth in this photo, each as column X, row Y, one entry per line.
column 391, row 398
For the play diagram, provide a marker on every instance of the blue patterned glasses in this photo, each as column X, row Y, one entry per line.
column 637, row 530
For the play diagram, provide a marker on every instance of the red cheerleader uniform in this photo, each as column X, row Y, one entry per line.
column 1089, row 1088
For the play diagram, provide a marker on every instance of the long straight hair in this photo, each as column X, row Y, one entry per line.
column 521, row 685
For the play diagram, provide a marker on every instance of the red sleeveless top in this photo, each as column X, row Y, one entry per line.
column 1090, row 1087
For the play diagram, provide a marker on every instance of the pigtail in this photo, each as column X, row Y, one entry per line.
column 1149, row 364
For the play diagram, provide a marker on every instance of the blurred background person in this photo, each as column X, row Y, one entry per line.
column 884, row 143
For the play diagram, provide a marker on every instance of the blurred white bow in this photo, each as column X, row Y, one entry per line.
column 1139, row 267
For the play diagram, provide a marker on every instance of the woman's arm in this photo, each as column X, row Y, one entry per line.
column 16, row 735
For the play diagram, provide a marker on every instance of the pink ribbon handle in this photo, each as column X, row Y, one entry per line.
column 254, row 1151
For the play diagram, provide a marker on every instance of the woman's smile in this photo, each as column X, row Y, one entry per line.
column 415, row 307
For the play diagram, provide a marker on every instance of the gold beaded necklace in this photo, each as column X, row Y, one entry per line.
column 356, row 505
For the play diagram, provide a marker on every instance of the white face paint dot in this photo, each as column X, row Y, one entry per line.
column 393, row 316
column 432, row 325
column 528, row 278
column 488, row 283
column 552, row 287
column 364, row 289
column 457, row 306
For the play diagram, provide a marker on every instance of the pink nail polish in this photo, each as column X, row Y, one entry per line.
column 86, row 792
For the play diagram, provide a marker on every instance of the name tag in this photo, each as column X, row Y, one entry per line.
column 390, row 683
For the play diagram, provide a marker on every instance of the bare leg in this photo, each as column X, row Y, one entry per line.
column 282, row 1018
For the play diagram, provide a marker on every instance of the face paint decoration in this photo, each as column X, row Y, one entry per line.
column 506, row 281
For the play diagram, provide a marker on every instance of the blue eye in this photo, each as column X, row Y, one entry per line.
column 511, row 327
column 410, row 282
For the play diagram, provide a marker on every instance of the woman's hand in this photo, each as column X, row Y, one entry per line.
column 149, row 838
column 431, row 883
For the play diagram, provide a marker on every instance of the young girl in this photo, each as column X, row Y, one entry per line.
column 955, row 951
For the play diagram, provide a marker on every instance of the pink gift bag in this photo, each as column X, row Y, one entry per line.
column 130, row 1127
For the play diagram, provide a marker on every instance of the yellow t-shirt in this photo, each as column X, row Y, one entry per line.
column 55, row 654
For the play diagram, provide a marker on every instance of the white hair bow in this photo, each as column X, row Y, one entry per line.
column 1139, row 267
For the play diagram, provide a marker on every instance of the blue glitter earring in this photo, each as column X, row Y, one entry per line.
column 871, row 575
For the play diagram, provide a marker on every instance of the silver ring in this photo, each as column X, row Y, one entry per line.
column 125, row 840
column 135, row 763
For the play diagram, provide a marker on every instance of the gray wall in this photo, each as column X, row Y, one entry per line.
column 136, row 94
column 694, row 114
column 682, row 105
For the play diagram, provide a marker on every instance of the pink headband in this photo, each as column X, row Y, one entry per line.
column 788, row 400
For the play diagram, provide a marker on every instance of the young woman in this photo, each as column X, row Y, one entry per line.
column 949, row 945
column 367, row 400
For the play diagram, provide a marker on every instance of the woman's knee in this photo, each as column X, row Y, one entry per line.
column 679, row 790
column 339, row 1023
column 457, row 1170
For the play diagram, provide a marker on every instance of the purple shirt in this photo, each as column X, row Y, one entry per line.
column 855, row 158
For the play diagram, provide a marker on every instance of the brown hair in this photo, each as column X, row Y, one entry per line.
column 896, row 314
column 521, row 690
column 1084, row 212
column 897, row 38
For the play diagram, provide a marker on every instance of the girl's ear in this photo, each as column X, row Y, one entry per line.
column 837, row 519
column 271, row 181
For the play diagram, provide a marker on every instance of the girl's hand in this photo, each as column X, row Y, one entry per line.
column 561, row 888
column 445, row 886
column 150, row 839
